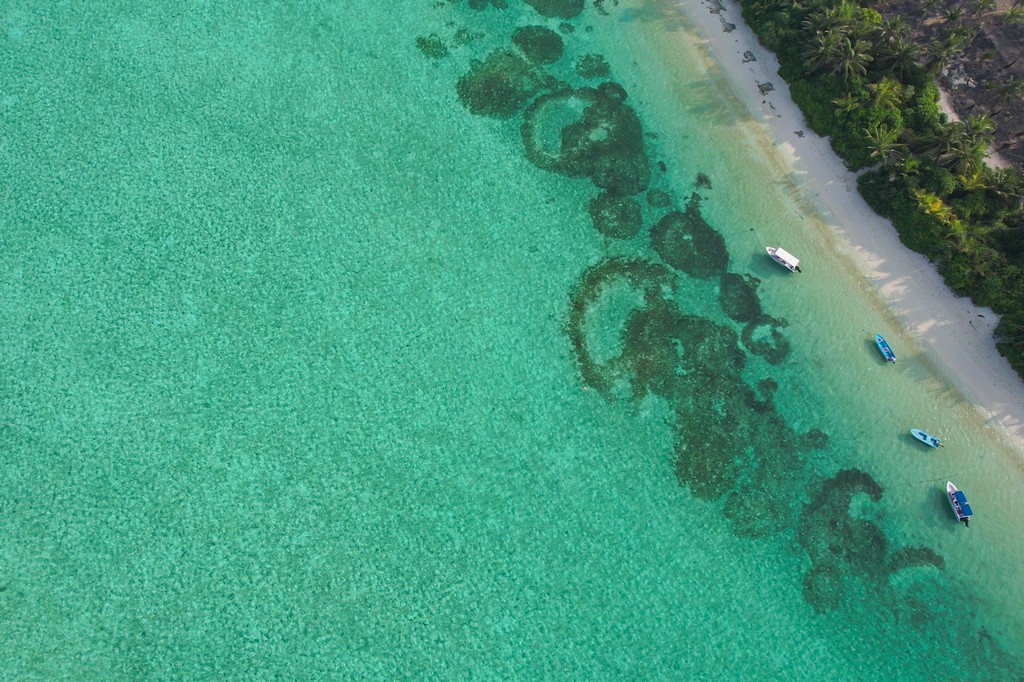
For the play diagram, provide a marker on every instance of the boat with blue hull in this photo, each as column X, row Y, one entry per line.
column 885, row 349
column 958, row 501
column 926, row 438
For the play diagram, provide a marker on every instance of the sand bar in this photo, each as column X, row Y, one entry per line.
column 956, row 334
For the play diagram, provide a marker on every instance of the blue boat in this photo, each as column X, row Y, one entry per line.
column 958, row 501
column 883, row 346
column 926, row 438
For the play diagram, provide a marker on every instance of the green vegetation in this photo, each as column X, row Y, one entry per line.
column 862, row 81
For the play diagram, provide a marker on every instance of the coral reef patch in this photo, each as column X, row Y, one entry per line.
column 501, row 85
column 686, row 242
column 616, row 216
column 432, row 46
column 761, row 336
column 849, row 554
column 540, row 45
column 561, row 9
column 484, row 4
column 592, row 66
column 737, row 297
column 589, row 132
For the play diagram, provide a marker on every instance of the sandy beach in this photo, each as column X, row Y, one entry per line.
column 955, row 334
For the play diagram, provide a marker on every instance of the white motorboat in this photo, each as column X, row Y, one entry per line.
column 784, row 258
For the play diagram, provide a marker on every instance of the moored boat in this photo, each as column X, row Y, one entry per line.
column 926, row 438
column 784, row 258
column 958, row 501
column 885, row 348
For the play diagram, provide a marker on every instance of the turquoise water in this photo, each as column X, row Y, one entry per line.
column 314, row 364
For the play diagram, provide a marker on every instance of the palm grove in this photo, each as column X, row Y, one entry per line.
column 868, row 83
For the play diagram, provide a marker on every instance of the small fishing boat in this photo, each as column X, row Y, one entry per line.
column 885, row 349
column 926, row 438
column 958, row 501
column 784, row 258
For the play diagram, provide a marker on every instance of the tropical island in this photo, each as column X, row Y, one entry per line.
column 868, row 78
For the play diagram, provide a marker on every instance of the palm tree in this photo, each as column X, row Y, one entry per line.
column 906, row 170
column 963, row 146
column 1007, row 184
column 978, row 180
column 954, row 16
column 939, row 53
column 823, row 50
column 926, row 7
column 966, row 158
column 848, row 103
column 1013, row 15
column 959, row 237
column 853, row 59
column 981, row 7
column 979, row 128
column 900, row 57
column 892, row 31
column 887, row 93
column 841, row 17
column 1005, row 92
column 932, row 204
column 980, row 261
column 884, row 143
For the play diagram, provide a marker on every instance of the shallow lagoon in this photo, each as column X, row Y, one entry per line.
column 316, row 362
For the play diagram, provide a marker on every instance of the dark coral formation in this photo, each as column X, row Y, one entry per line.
column 737, row 296
column 676, row 355
column 909, row 557
column 815, row 439
column 432, row 46
column 562, row 9
column 848, row 553
column 762, row 479
column 838, row 545
column 589, row 132
column 761, row 336
column 592, row 66
column 616, row 216
column 502, row 85
column 723, row 428
column 687, row 243
column 731, row 443
column 659, row 198
column 464, row 36
column 647, row 278
column 540, row 45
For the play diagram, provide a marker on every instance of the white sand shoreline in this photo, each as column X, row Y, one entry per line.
column 955, row 334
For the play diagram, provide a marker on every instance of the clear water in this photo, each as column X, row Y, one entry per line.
column 309, row 370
